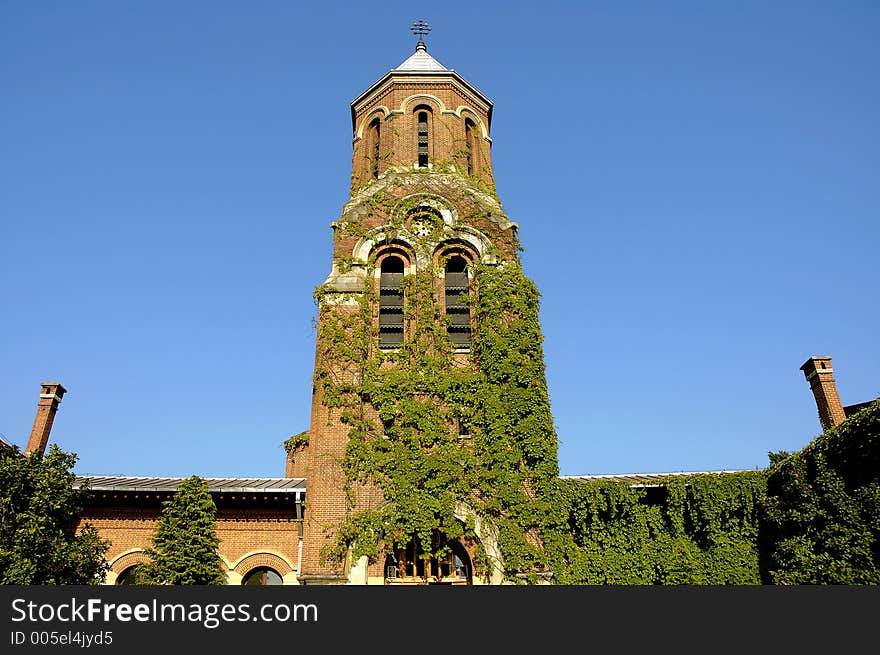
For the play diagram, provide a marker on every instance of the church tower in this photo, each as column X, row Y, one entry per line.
column 431, row 455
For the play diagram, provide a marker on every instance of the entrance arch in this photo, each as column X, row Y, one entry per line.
column 409, row 566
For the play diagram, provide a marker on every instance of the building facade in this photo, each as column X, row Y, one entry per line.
column 422, row 210
column 416, row 436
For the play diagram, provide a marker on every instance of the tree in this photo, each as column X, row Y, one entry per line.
column 39, row 511
column 184, row 550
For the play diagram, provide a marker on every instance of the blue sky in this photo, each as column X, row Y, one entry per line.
column 697, row 187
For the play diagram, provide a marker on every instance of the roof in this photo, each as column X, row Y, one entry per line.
column 421, row 65
column 640, row 479
column 849, row 410
column 294, row 485
column 420, row 61
column 5, row 445
column 215, row 485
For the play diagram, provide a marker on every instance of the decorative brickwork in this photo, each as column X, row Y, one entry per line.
column 127, row 560
column 244, row 533
column 256, row 560
column 396, row 100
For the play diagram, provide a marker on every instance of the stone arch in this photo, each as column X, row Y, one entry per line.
column 381, row 109
column 255, row 560
column 394, row 248
column 407, row 204
column 469, row 239
column 393, row 234
column 451, row 247
column 410, row 102
column 487, row 536
column 123, row 562
column 377, row 239
column 461, row 110
column 128, row 559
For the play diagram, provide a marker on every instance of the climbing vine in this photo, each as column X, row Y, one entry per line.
column 812, row 517
column 297, row 442
column 695, row 529
column 822, row 519
column 464, row 445
column 406, row 411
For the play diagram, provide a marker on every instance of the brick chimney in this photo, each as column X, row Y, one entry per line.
column 51, row 394
column 820, row 375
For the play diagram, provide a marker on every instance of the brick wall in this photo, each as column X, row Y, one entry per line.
column 449, row 106
column 270, row 536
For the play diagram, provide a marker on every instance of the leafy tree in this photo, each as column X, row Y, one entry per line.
column 39, row 510
column 184, row 550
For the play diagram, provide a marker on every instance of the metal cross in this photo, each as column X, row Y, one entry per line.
column 420, row 28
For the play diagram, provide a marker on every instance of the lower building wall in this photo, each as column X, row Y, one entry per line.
column 248, row 539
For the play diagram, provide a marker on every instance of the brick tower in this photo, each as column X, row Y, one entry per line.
column 403, row 423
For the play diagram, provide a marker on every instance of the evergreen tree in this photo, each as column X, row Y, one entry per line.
column 184, row 550
column 39, row 508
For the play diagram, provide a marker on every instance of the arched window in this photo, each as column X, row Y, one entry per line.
column 458, row 313
column 261, row 577
column 470, row 145
column 423, row 114
column 391, row 302
column 373, row 147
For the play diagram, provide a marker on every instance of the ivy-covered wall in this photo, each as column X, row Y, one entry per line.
column 821, row 523
column 695, row 529
column 812, row 517
column 406, row 415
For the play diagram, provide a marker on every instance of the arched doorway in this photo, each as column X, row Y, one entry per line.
column 409, row 566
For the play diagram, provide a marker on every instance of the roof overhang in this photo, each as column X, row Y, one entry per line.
column 643, row 479
column 215, row 485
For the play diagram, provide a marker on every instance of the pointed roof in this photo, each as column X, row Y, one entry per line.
column 421, row 61
column 420, row 65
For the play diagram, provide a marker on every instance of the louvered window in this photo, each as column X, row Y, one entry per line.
column 457, row 311
column 374, row 146
column 423, row 138
column 470, row 146
column 391, row 303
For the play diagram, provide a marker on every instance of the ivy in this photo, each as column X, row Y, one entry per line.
column 297, row 442
column 822, row 519
column 811, row 517
column 405, row 413
column 696, row 529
